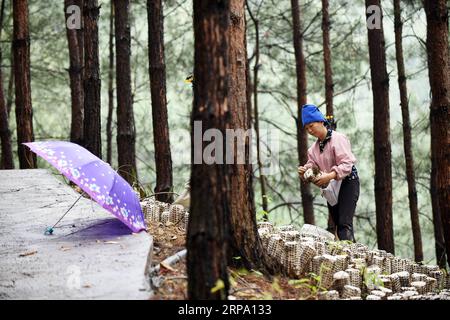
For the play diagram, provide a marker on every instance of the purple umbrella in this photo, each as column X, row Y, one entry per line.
column 95, row 177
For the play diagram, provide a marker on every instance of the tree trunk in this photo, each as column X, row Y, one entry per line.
column 329, row 87
column 381, row 134
column 439, row 242
column 76, row 79
column 24, row 110
column 245, row 241
column 157, row 70
column 438, row 71
column 10, row 94
column 407, row 145
column 126, row 135
column 91, row 80
column 302, row 138
column 110, row 87
column 6, row 161
column 210, row 184
column 262, row 177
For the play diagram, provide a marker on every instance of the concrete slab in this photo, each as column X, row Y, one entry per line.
column 92, row 255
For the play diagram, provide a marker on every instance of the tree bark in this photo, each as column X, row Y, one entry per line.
column 76, row 79
column 91, row 79
column 262, row 177
column 157, row 70
column 24, row 110
column 245, row 241
column 302, row 138
column 381, row 134
column 110, row 87
column 6, row 161
column 407, row 145
column 126, row 134
column 210, row 184
column 438, row 71
column 10, row 94
column 329, row 87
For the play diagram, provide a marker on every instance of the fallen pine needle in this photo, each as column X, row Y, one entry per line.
column 166, row 266
column 29, row 253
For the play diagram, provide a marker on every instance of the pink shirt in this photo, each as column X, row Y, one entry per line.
column 336, row 156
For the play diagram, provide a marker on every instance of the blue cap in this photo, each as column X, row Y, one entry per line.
column 311, row 113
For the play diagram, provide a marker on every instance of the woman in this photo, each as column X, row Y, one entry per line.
column 332, row 154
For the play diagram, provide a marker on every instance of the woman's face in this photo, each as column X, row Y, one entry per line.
column 314, row 128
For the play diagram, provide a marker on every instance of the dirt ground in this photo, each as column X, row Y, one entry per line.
column 245, row 285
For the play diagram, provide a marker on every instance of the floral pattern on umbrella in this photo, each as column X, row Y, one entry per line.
column 95, row 177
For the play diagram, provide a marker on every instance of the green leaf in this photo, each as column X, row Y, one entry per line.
column 220, row 285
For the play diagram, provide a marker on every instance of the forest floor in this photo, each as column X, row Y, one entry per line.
column 244, row 284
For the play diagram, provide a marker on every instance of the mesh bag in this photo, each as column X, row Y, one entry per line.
column 293, row 235
column 387, row 291
column 290, row 257
column 186, row 220
column 378, row 261
column 316, row 263
column 341, row 262
column 407, row 265
column 288, row 227
column 387, row 265
column 387, row 282
column 321, row 247
column 431, row 284
column 265, row 224
column 165, row 217
column 176, row 213
column 355, row 277
column 420, row 286
column 264, row 234
column 372, row 297
column 351, row 291
column 396, row 265
column 327, row 270
column 155, row 213
column 418, row 277
column 329, row 295
column 358, row 263
column 340, row 279
column 304, row 256
column 316, row 232
column 404, row 278
column 275, row 247
column 440, row 279
column 378, row 293
column 431, row 269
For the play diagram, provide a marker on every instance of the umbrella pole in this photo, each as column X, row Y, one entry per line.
column 49, row 230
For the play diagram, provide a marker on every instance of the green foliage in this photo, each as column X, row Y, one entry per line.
column 372, row 279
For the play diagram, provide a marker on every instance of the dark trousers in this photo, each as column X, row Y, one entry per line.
column 343, row 212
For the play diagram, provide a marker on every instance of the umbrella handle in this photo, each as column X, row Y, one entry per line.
column 49, row 230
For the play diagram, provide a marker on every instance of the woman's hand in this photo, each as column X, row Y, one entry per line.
column 301, row 171
column 324, row 179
